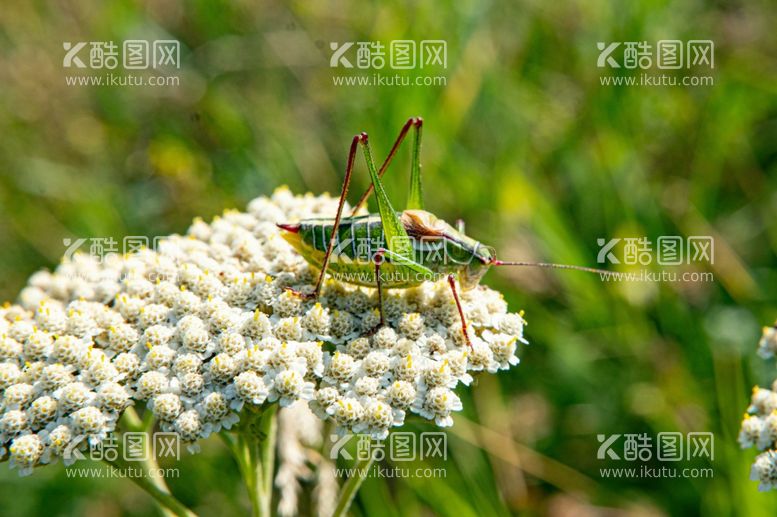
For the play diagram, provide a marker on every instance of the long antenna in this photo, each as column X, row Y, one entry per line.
column 553, row 266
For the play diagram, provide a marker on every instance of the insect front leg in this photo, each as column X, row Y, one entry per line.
column 452, row 283
column 341, row 203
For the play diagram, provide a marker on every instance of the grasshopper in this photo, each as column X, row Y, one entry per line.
column 414, row 245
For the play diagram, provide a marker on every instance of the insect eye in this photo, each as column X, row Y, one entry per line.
column 487, row 254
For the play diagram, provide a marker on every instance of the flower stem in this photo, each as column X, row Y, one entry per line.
column 238, row 445
column 156, row 488
column 351, row 486
column 150, row 482
column 253, row 446
column 130, row 420
column 268, row 429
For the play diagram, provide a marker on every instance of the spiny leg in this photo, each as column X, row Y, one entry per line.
column 415, row 122
column 452, row 283
column 380, row 293
column 378, row 259
column 404, row 266
column 341, row 203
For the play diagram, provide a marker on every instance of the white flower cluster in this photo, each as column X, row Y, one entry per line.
column 759, row 426
column 204, row 325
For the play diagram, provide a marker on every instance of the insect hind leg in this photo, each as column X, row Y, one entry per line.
column 412, row 122
column 452, row 283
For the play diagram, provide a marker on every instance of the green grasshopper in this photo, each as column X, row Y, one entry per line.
column 413, row 246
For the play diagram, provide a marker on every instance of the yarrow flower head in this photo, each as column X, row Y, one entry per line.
column 205, row 325
column 759, row 425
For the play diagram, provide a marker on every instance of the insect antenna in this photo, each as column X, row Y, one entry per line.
column 552, row 266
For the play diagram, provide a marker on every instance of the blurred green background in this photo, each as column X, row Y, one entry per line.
column 523, row 142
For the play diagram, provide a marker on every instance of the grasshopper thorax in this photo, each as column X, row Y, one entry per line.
column 463, row 255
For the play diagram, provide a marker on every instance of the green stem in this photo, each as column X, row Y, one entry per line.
column 159, row 491
column 253, row 446
column 154, row 485
column 351, row 486
column 240, row 450
column 130, row 420
column 268, row 430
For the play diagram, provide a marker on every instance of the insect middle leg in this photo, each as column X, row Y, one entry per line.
column 452, row 283
column 405, row 266
column 379, row 258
